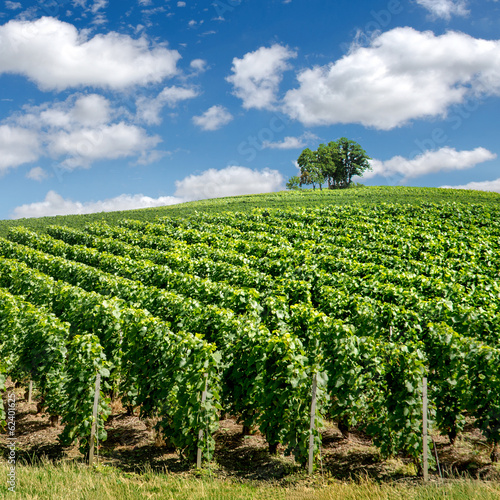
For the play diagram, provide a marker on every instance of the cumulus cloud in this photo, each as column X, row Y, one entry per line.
column 56, row 56
column 198, row 65
column 17, row 146
column 230, row 181
column 213, row 118
column 55, row 204
column 81, row 130
column 445, row 8
column 256, row 77
column 291, row 142
column 429, row 162
column 148, row 110
column 37, row 174
column 403, row 75
column 493, row 185
column 212, row 183
column 107, row 142
column 78, row 110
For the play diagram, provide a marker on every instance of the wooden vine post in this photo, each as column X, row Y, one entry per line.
column 94, row 418
column 30, row 392
column 200, row 432
column 311, row 426
column 424, row 428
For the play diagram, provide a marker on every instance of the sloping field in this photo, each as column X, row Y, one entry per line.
column 248, row 307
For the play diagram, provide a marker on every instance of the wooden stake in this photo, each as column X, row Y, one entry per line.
column 424, row 425
column 30, row 391
column 94, row 418
column 311, row 426
column 200, row 432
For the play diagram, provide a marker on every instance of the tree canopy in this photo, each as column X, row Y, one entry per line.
column 333, row 164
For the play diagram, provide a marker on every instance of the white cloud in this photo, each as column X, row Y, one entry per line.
column 17, row 146
column 37, row 174
column 479, row 186
column 403, row 75
column 445, row 8
column 55, row 204
column 78, row 110
column 199, row 65
column 12, row 5
column 56, row 56
column 148, row 110
column 181, row 4
column 230, row 181
column 98, row 5
column 213, row 118
column 256, row 77
column 84, row 129
column 84, row 146
column 291, row 142
column 212, row 183
column 429, row 162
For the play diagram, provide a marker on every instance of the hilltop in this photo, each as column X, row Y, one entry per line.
column 306, row 198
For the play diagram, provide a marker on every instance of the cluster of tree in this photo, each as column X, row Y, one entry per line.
column 333, row 164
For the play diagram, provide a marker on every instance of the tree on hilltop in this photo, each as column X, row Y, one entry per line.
column 334, row 163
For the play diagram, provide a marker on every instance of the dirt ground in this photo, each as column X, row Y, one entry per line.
column 133, row 446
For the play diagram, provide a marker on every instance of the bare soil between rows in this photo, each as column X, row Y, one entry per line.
column 133, row 446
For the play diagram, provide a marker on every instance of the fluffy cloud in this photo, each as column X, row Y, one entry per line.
column 212, row 183
column 445, row 8
column 198, row 65
column 56, row 56
column 77, row 111
column 403, row 75
column 148, row 110
column 37, row 174
column 81, row 130
column 230, row 181
column 17, row 146
column 84, row 146
column 55, row 204
column 479, row 186
column 441, row 160
column 291, row 142
column 213, row 118
column 256, row 77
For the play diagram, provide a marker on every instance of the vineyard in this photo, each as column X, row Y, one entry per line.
column 243, row 312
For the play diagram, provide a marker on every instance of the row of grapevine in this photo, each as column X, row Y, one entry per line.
column 38, row 346
column 137, row 349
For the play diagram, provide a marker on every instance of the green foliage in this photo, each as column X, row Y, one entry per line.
column 293, row 182
column 86, row 359
column 369, row 296
column 335, row 163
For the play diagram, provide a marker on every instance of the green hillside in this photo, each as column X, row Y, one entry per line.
column 259, row 312
column 283, row 199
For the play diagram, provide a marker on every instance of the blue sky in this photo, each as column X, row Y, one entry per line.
column 109, row 105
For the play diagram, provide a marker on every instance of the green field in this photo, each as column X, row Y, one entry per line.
column 283, row 199
column 246, row 307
